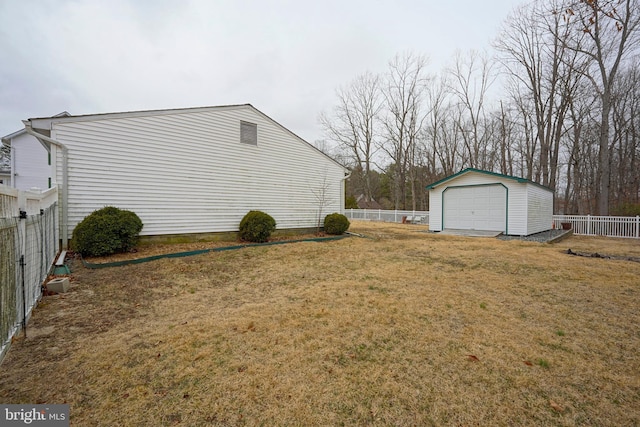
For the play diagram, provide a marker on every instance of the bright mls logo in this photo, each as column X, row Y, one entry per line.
column 34, row 415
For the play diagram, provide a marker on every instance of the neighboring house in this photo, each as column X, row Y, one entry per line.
column 188, row 171
column 30, row 163
column 364, row 204
column 475, row 199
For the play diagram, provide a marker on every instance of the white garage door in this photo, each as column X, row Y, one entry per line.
column 482, row 207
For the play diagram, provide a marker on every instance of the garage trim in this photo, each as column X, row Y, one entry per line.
column 506, row 219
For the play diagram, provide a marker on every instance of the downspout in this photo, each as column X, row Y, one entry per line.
column 64, row 233
column 13, row 167
column 347, row 175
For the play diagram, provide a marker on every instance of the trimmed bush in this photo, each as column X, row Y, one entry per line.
column 336, row 223
column 257, row 226
column 350, row 203
column 106, row 231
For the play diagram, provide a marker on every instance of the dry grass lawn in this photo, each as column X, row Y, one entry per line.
column 403, row 328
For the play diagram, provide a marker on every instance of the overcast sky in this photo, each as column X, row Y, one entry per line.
column 284, row 57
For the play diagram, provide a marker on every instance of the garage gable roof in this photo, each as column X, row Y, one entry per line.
column 468, row 170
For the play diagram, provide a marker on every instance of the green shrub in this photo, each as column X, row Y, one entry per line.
column 350, row 203
column 257, row 226
column 336, row 223
column 626, row 209
column 106, row 231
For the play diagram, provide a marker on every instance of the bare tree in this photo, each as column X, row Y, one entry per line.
column 542, row 71
column 403, row 92
column 471, row 77
column 604, row 31
column 625, row 138
column 505, row 134
column 353, row 125
column 435, row 151
column 570, row 120
column 321, row 192
column 580, row 146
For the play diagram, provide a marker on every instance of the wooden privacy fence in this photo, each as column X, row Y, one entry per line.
column 28, row 246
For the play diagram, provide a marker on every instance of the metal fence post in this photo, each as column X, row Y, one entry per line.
column 22, row 242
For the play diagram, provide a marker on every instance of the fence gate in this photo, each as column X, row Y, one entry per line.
column 28, row 246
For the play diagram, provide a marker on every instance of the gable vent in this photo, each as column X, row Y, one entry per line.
column 248, row 133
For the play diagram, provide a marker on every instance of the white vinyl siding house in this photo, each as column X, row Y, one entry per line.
column 30, row 166
column 221, row 162
column 474, row 199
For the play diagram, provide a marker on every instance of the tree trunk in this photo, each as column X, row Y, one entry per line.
column 604, row 165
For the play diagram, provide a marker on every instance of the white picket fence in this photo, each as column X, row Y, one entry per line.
column 586, row 225
column 419, row 217
column 29, row 242
column 610, row 226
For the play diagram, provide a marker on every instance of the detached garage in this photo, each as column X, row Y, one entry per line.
column 475, row 199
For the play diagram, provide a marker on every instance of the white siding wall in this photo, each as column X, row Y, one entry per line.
column 540, row 209
column 214, row 178
column 30, row 164
column 435, row 208
column 517, row 207
column 529, row 207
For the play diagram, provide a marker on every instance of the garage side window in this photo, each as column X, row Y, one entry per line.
column 248, row 133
